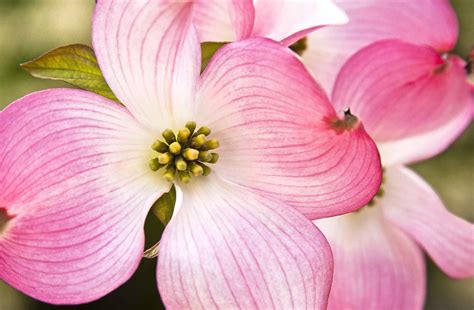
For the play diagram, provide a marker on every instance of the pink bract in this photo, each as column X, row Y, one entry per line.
column 76, row 185
column 379, row 247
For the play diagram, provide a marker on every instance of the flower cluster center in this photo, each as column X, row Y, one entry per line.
column 184, row 154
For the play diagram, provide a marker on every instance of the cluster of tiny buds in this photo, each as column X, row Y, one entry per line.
column 184, row 154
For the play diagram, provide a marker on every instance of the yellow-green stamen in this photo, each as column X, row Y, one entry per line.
column 155, row 164
column 181, row 164
column 210, row 145
column 206, row 169
column 214, row 158
column 184, row 176
column 183, row 135
column 205, row 156
column 169, row 136
column 198, row 141
column 190, row 154
column 191, row 126
column 182, row 155
column 175, row 148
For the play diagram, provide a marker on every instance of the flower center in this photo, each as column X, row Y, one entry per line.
column 184, row 154
column 4, row 219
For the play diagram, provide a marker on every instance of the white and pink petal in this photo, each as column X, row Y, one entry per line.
column 76, row 187
column 149, row 54
column 278, row 131
column 228, row 247
column 412, row 205
column 376, row 266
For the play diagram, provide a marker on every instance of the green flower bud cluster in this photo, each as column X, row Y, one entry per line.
column 184, row 154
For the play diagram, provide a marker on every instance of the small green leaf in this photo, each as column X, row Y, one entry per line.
column 75, row 64
column 164, row 206
column 207, row 51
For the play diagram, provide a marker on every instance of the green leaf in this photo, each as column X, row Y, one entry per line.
column 207, row 51
column 75, row 64
column 164, row 206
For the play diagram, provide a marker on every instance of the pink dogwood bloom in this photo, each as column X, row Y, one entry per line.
column 79, row 174
column 414, row 102
column 281, row 20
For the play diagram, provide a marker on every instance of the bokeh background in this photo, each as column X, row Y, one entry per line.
column 30, row 27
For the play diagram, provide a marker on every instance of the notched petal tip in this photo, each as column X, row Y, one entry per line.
column 5, row 218
column 348, row 122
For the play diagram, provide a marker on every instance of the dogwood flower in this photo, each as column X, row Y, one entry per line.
column 414, row 102
column 251, row 144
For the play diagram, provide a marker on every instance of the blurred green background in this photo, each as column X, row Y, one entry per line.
column 31, row 27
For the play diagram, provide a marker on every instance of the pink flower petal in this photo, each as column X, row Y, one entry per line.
column 76, row 184
column 412, row 205
column 424, row 22
column 230, row 248
column 376, row 266
column 274, row 126
column 412, row 101
column 223, row 20
column 289, row 21
column 150, row 56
